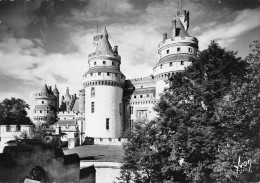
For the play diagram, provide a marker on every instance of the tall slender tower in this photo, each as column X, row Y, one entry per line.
column 175, row 53
column 57, row 94
column 103, row 84
column 82, row 101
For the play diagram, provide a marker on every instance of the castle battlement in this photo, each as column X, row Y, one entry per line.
column 44, row 95
column 76, row 113
column 142, row 79
column 179, row 41
column 99, row 53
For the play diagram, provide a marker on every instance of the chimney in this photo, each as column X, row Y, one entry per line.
column 115, row 50
column 164, row 36
column 173, row 29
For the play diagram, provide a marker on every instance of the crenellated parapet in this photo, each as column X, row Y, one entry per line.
column 44, row 95
column 103, row 83
column 142, row 79
column 109, row 56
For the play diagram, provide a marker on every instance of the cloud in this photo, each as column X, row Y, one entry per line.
column 227, row 33
column 51, row 42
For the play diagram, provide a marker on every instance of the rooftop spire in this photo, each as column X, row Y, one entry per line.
column 104, row 46
column 44, row 89
column 105, row 31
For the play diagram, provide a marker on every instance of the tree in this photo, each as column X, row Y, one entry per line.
column 191, row 137
column 239, row 121
column 13, row 112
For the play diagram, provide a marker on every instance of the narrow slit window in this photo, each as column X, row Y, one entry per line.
column 107, row 123
column 92, row 107
column 92, row 92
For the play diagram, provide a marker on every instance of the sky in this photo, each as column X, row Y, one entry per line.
column 49, row 41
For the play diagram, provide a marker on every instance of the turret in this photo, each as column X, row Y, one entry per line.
column 175, row 53
column 57, row 94
column 45, row 105
column 103, row 84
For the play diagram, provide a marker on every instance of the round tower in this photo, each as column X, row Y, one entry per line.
column 175, row 53
column 45, row 105
column 103, row 84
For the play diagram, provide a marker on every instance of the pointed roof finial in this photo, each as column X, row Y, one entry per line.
column 105, row 31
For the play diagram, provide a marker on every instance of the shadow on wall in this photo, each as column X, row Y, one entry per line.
column 37, row 161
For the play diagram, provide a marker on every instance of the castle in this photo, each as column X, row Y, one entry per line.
column 109, row 104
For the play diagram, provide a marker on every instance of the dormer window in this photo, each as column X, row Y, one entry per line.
column 104, row 62
column 167, row 51
column 91, row 74
column 182, row 62
column 178, row 49
column 190, row 50
column 113, row 63
column 95, row 63
column 108, row 74
column 170, row 64
column 161, row 66
column 99, row 73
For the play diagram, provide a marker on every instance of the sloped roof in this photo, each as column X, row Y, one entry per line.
column 104, row 69
column 66, row 122
column 144, row 91
column 55, row 90
column 183, row 32
column 76, row 106
column 45, row 89
column 104, row 45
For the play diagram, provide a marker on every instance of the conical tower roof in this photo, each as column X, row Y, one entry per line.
column 44, row 89
column 55, row 90
column 104, row 45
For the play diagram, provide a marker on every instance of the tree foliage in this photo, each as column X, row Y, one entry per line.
column 207, row 120
column 13, row 111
